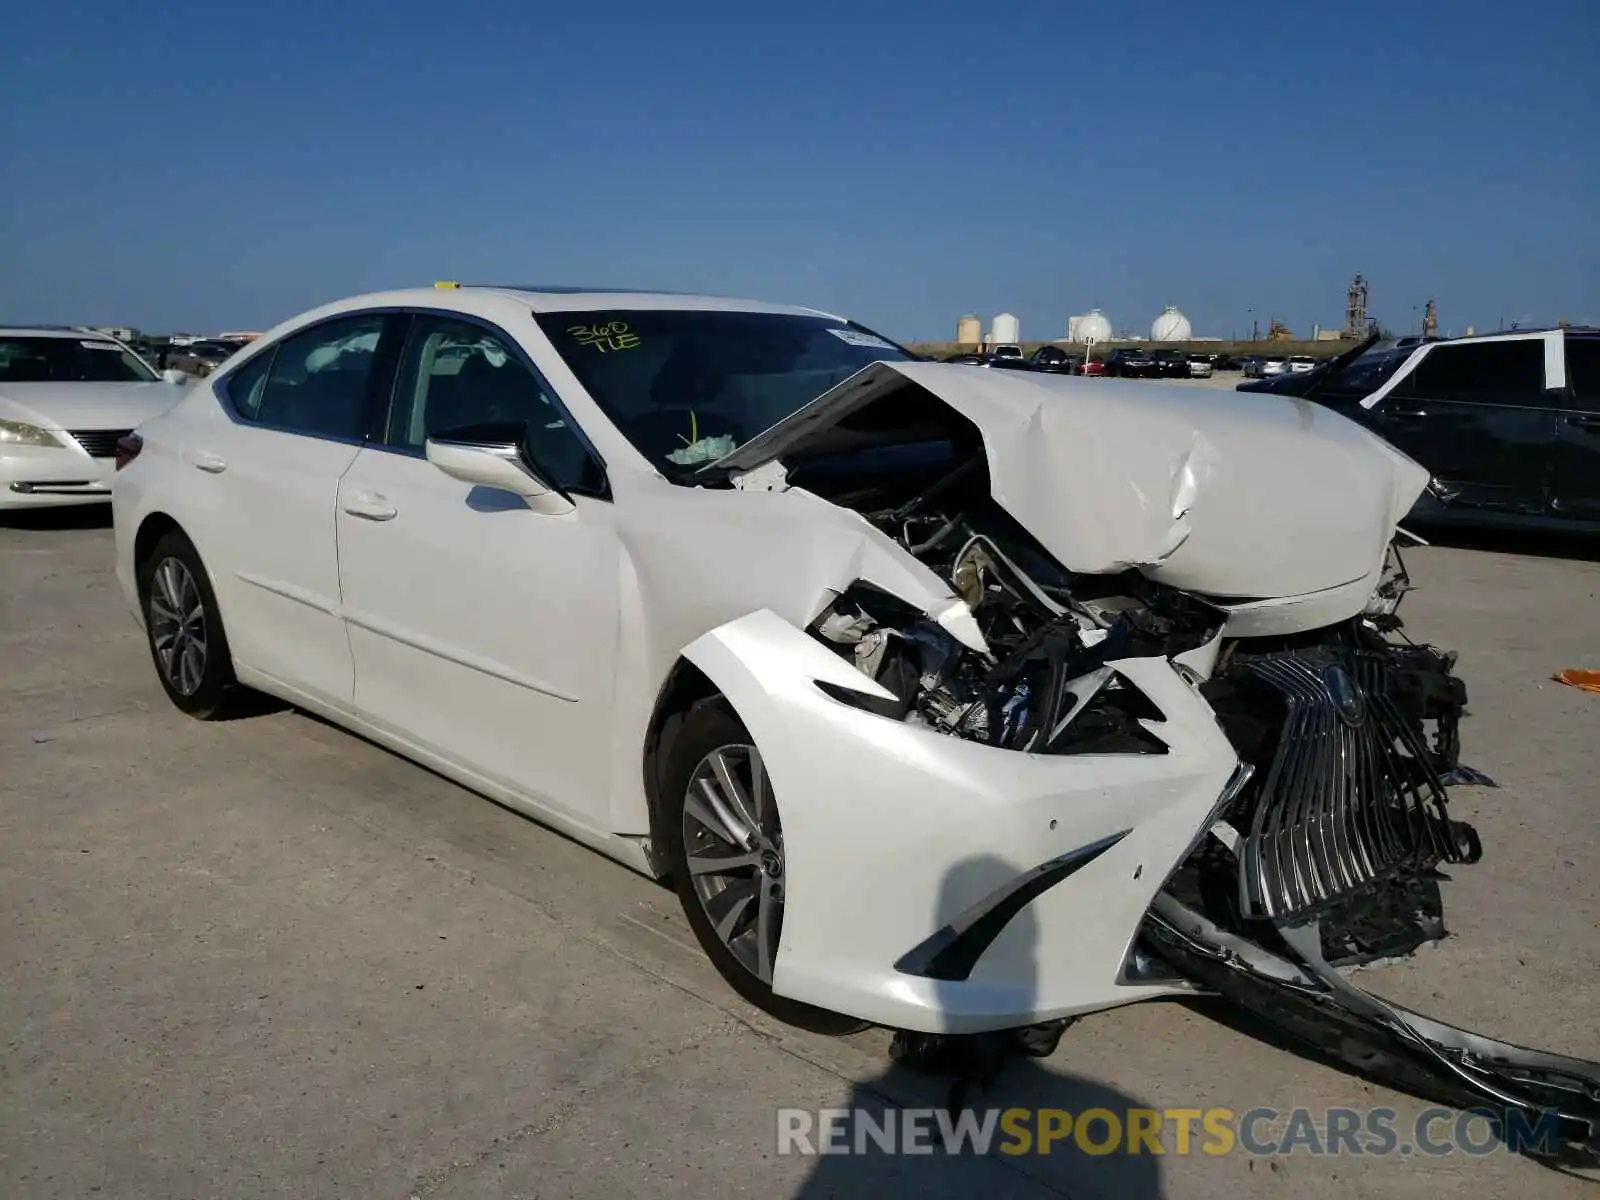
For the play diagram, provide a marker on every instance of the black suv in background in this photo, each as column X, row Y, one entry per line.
column 1130, row 362
column 1056, row 361
column 1508, row 425
column 1170, row 364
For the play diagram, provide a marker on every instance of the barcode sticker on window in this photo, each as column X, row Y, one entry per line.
column 856, row 338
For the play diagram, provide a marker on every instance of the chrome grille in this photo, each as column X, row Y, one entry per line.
column 1350, row 795
column 99, row 443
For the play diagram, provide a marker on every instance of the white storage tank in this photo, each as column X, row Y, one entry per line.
column 1171, row 326
column 1091, row 326
column 1004, row 330
column 969, row 330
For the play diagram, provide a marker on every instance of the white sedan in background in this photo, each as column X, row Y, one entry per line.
column 66, row 398
column 950, row 699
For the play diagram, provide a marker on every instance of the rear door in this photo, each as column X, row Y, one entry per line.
column 1577, row 472
column 262, row 485
column 1477, row 414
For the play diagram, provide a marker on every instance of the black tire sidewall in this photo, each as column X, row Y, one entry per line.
column 708, row 725
column 217, row 682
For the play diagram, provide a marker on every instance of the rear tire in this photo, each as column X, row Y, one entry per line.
column 188, row 644
column 718, row 805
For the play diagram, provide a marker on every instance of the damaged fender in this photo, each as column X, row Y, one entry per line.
column 893, row 831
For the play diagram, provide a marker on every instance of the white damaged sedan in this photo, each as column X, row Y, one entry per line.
column 951, row 700
column 66, row 397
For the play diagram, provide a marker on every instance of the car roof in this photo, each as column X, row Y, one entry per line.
column 55, row 331
column 569, row 298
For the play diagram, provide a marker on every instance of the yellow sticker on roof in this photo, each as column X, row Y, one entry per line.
column 444, row 283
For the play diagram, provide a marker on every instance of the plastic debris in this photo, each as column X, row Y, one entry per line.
column 1584, row 681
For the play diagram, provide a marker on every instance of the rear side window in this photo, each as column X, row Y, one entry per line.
column 1491, row 372
column 315, row 382
column 1583, row 370
column 246, row 385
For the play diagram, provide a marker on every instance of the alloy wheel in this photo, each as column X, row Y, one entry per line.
column 178, row 626
column 734, row 847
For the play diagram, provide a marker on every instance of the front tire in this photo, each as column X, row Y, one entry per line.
column 187, row 642
column 724, row 844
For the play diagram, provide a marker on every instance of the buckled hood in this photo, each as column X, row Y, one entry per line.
column 1225, row 493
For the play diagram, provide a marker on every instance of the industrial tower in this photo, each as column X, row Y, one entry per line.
column 1355, row 309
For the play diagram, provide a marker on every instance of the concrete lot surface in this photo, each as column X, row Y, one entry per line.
column 265, row 958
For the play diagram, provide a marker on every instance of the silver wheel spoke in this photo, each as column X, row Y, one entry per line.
column 178, row 626
column 170, row 586
column 730, row 827
column 766, row 931
column 758, row 790
column 695, row 806
column 733, row 846
column 720, row 864
column 191, row 668
column 733, row 794
column 736, row 906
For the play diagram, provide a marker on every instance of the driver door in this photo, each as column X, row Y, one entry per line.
column 482, row 631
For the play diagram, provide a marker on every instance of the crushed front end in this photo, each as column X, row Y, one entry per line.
column 1328, row 848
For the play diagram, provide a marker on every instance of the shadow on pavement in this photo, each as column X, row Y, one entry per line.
column 73, row 516
column 1535, row 543
column 1001, row 1078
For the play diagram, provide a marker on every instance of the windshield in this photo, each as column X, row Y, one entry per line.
column 1365, row 375
column 68, row 360
column 688, row 386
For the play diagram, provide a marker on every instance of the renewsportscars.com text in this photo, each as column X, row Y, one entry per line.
column 1263, row 1132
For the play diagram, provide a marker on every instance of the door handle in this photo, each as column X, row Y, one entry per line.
column 369, row 506
column 205, row 461
column 1408, row 412
column 1584, row 422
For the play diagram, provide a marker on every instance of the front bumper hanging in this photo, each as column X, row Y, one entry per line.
column 1311, row 1002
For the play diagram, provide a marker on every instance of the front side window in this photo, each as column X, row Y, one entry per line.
column 69, row 360
column 455, row 374
column 1491, row 372
column 686, row 386
column 318, row 380
column 1365, row 375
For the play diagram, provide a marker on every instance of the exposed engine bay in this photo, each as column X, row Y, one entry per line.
column 1349, row 736
column 1325, row 853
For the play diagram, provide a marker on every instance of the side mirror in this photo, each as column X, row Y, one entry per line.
column 493, row 458
column 175, row 376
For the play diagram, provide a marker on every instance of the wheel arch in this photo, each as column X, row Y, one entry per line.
column 152, row 529
column 686, row 685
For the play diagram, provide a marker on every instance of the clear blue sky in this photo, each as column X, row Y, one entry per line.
column 209, row 167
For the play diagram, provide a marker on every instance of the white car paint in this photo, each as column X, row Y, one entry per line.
column 1156, row 477
column 62, row 471
column 522, row 652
